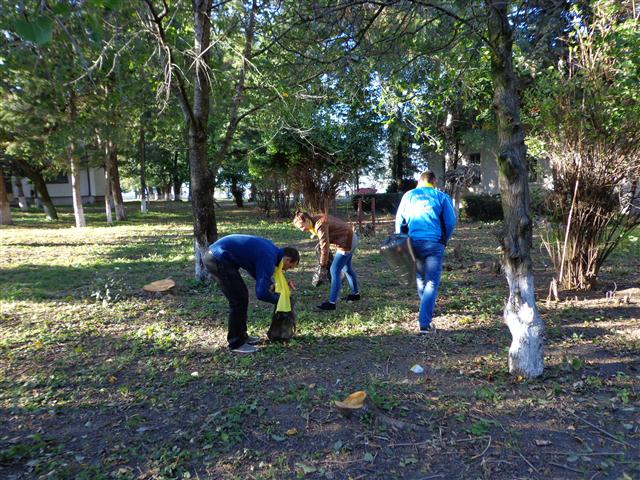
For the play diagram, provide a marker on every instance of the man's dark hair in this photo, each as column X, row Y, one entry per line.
column 292, row 253
column 428, row 176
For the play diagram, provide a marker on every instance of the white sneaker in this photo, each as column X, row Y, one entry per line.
column 427, row 331
column 245, row 348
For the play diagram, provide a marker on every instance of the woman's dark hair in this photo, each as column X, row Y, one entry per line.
column 292, row 253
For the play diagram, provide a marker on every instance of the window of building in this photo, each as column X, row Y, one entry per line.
column 61, row 178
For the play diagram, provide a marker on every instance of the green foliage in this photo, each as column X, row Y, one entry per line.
column 483, row 207
column 385, row 202
column 37, row 30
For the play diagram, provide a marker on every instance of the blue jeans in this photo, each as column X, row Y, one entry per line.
column 429, row 257
column 342, row 263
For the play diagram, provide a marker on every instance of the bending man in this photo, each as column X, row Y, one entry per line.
column 262, row 260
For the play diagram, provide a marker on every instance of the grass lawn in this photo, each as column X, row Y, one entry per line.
column 98, row 381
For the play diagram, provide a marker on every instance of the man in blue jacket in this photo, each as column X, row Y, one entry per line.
column 430, row 218
column 259, row 257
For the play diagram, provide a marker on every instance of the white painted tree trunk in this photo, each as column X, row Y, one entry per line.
column 5, row 207
column 201, row 272
column 107, row 197
column 78, row 209
column 521, row 315
column 526, row 355
column 143, row 204
column 22, row 200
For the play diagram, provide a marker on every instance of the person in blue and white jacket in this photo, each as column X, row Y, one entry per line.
column 431, row 219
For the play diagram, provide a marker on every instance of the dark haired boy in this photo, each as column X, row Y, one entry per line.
column 261, row 259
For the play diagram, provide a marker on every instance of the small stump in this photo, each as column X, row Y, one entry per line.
column 359, row 403
column 160, row 287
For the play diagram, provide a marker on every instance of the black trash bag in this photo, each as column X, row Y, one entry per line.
column 322, row 274
column 283, row 325
column 397, row 251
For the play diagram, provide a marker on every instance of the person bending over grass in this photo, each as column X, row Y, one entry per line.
column 263, row 261
column 333, row 231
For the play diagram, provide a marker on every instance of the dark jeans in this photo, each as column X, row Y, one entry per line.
column 235, row 290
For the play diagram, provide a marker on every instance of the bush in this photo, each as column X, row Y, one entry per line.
column 541, row 202
column 407, row 184
column 483, row 207
column 385, row 202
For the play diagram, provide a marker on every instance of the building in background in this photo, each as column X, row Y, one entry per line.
column 59, row 188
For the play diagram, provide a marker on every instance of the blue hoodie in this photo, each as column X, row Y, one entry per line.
column 428, row 213
column 258, row 256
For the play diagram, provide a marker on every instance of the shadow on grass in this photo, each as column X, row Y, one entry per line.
column 46, row 282
column 107, row 403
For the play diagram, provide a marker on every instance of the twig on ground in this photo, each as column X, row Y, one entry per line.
column 408, row 444
column 566, row 467
column 343, row 462
column 437, row 475
column 484, row 451
column 471, row 439
column 528, row 462
column 611, row 436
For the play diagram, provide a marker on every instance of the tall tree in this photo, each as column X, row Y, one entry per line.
column 195, row 109
column 526, row 356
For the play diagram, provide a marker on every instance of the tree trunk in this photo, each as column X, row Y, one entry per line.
column 204, row 219
column 143, row 158
column 237, row 192
column 22, row 201
column 74, row 169
column 111, row 164
column 40, row 185
column 175, row 178
column 520, row 312
column 107, row 197
column 5, row 207
column 196, row 115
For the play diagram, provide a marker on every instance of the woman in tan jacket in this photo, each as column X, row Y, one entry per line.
column 333, row 231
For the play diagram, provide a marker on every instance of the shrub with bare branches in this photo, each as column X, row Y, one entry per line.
column 588, row 128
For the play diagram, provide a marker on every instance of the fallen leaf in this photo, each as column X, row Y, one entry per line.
column 542, row 443
column 368, row 457
column 278, row 438
column 292, row 431
column 353, row 401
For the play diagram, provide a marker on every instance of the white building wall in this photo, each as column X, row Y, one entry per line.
column 91, row 187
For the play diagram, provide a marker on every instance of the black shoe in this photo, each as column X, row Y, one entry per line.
column 326, row 306
column 352, row 297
